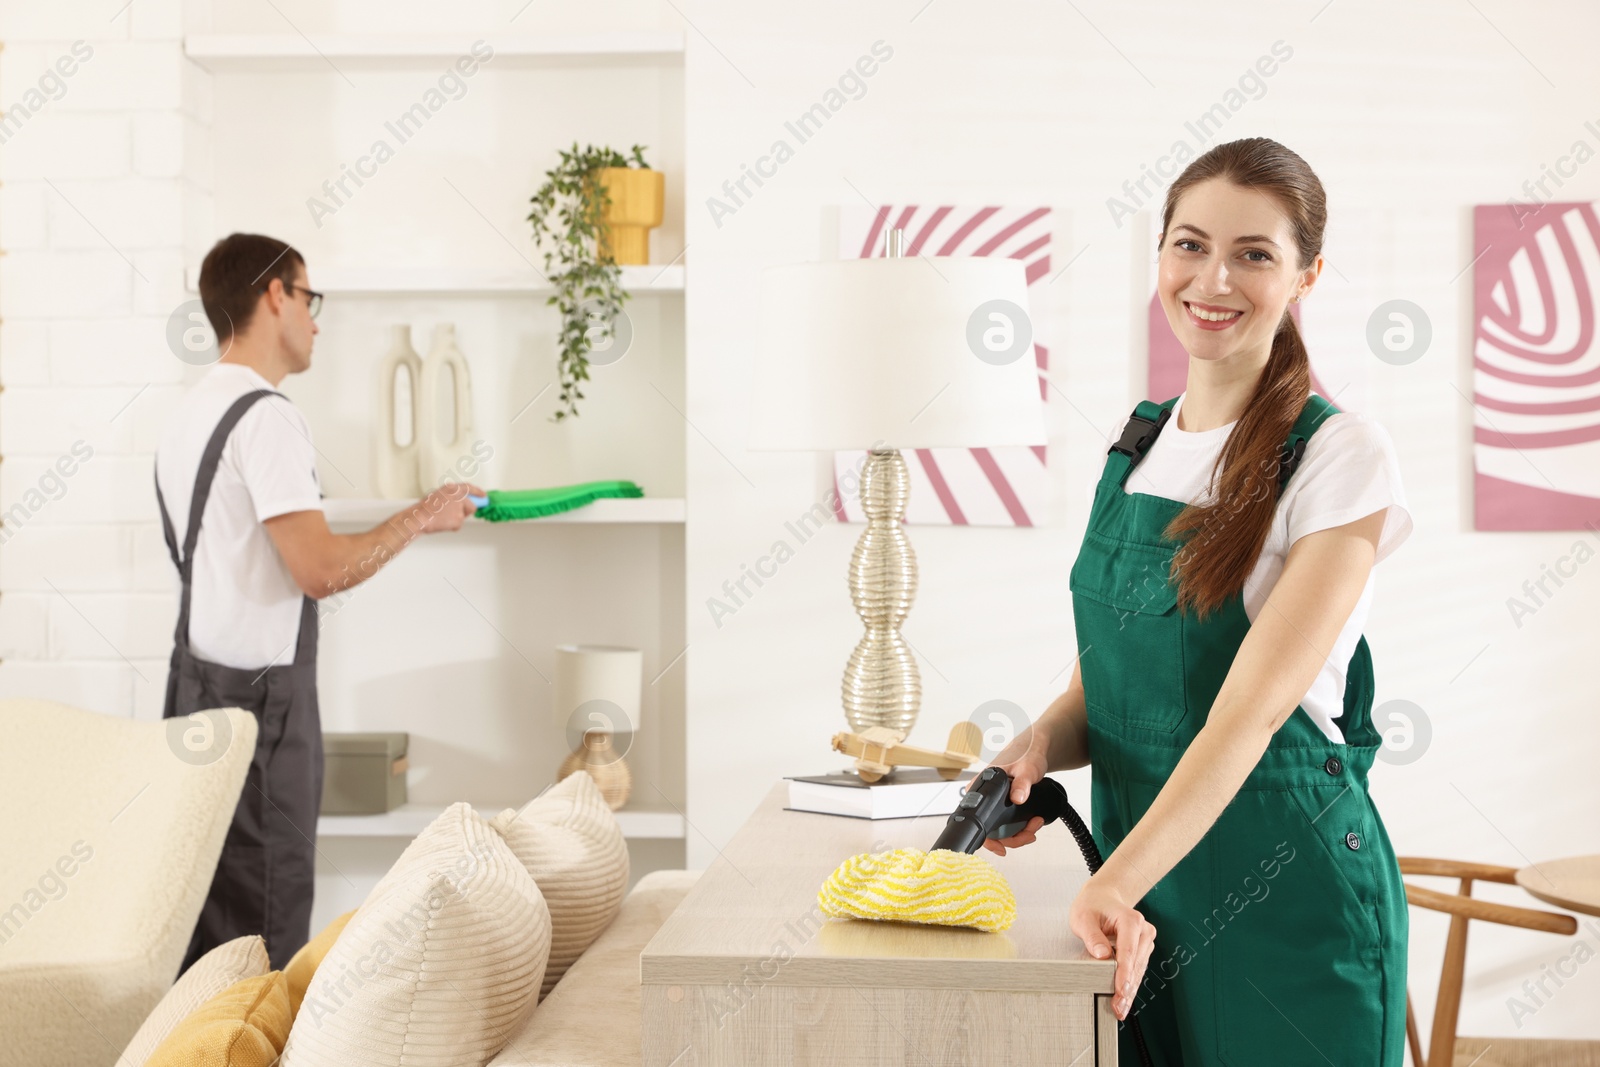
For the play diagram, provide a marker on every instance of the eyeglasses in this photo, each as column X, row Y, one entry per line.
column 315, row 304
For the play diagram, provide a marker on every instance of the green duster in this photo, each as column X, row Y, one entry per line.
column 504, row 505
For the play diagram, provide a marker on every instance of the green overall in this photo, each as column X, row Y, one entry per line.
column 1281, row 936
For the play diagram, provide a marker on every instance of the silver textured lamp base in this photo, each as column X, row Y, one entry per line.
column 881, row 684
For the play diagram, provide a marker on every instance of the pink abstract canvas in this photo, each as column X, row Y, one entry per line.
column 1536, row 367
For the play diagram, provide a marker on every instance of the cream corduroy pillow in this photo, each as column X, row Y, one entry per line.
column 439, row 966
column 228, row 963
column 571, row 843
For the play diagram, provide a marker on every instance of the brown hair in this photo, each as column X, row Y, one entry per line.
column 236, row 272
column 1209, row 569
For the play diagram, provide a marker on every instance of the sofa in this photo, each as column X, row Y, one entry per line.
column 591, row 1018
column 530, row 908
column 113, row 832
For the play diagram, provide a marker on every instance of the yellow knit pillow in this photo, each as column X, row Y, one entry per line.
column 245, row 1025
column 228, row 963
column 941, row 888
column 303, row 964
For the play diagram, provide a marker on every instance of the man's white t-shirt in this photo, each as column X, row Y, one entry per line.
column 245, row 607
column 1349, row 470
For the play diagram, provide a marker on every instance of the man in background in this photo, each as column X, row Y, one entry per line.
column 236, row 481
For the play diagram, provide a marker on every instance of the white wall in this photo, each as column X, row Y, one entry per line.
column 1419, row 113
column 97, row 184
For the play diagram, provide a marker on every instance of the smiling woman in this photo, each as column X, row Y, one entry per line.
column 1223, row 690
column 1208, row 746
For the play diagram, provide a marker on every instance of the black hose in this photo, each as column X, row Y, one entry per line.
column 1091, row 856
column 986, row 811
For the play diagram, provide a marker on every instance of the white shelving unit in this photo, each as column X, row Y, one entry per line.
column 348, row 512
column 409, row 820
column 222, row 53
column 465, row 281
column 317, row 66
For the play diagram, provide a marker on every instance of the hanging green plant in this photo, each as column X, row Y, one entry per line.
column 568, row 220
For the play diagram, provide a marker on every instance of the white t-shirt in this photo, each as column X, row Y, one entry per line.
column 1348, row 471
column 245, row 607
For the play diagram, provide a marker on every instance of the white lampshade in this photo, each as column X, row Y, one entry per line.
column 607, row 673
column 903, row 351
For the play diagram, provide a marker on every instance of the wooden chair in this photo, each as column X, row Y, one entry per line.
column 1443, row 1048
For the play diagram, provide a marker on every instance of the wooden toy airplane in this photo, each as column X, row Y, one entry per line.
column 878, row 751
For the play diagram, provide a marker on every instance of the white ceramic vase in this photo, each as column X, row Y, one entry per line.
column 445, row 447
column 395, row 430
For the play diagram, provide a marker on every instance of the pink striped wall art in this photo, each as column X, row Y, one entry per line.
column 1004, row 486
column 1536, row 367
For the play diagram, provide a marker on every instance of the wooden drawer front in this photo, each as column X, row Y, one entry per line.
column 772, row 1025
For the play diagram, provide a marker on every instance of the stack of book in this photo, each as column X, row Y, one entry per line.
column 904, row 794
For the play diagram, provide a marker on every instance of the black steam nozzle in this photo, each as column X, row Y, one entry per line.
column 986, row 810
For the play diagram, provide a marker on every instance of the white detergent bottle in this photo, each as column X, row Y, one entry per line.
column 445, row 435
column 395, row 430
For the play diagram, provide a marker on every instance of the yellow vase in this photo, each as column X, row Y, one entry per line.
column 638, row 198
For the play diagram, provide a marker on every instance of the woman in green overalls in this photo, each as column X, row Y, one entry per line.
column 1249, row 893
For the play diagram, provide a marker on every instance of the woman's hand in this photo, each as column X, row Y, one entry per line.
column 1024, row 760
column 1107, row 924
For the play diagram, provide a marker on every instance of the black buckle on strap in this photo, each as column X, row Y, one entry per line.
column 1138, row 434
column 1289, row 460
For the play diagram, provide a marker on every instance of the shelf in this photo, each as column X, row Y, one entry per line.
column 649, row 278
column 347, row 511
column 409, row 820
column 277, row 52
column 465, row 281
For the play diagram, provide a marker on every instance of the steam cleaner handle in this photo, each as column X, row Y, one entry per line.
column 986, row 811
column 1048, row 800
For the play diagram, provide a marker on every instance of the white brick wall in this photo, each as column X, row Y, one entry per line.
column 75, row 559
column 77, row 146
column 121, row 352
column 51, row 284
column 105, row 191
column 24, row 348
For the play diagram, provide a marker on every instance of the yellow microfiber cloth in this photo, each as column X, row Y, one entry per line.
column 940, row 888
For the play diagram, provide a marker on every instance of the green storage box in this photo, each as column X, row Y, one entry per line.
column 363, row 774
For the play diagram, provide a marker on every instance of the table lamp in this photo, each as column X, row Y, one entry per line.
column 885, row 354
column 597, row 689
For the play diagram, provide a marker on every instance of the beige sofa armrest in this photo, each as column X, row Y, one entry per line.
column 106, row 864
column 592, row 1016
